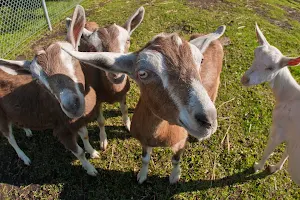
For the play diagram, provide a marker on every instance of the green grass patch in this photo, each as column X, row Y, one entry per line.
column 211, row 169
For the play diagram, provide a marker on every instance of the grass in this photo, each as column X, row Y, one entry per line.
column 22, row 22
column 218, row 168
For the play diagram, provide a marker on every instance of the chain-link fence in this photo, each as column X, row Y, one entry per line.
column 21, row 19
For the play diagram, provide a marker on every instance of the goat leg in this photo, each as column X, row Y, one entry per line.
column 146, row 154
column 84, row 135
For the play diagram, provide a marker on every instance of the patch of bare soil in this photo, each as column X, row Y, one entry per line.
column 182, row 26
column 205, row 4
column 292, row 13
column 263, row 11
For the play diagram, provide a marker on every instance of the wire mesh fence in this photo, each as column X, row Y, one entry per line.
column 20, row 20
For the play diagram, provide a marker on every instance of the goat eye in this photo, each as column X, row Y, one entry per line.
column 142, row 74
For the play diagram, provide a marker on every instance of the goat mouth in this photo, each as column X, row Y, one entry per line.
column 71, row 114
column 196, row 133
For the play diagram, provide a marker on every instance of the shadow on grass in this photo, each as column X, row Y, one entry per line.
column 52, row 166
column 115, row 113
column 111, row 184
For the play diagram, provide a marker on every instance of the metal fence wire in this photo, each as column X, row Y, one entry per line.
column 21, row 19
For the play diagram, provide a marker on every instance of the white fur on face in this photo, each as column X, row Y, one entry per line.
column 122, row 38
column 154, row 61
column 265, row 65
column 199, row 101
column 197, row 55
column 199, row 94
column 95, row 40
column 38, row 71
column 67, row 60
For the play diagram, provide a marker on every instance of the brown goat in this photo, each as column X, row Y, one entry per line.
column 177, row 94
column 56, row 100
column 109, row 87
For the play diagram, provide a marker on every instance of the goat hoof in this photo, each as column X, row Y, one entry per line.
column 92, row 171
column 175, row 176
column 141, row 177
column 103, row 144
column 273, row 168
column 127, row 126
column 257, row 167
column 25, row 159
column 28, row 132
column 95, row 154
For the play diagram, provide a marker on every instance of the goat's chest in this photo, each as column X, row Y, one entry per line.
column 153, row 134
column 153, row 131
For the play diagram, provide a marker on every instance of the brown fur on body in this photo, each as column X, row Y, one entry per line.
column 97, row 79
column 19, row 96
column 55, row 100
column 27, row 103
column 153, row 131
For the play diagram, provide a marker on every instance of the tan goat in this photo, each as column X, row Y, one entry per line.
column 56, row 100
column 109, row 87
column 270, row 65
column 173, row 101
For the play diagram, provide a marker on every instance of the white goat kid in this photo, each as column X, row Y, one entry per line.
column 270, row 65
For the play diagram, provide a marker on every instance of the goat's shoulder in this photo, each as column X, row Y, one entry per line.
column 10, row 82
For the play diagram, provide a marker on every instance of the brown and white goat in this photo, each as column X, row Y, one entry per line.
column 56, row 100
column 109, row 87
column 177, row 94
column 270, row 65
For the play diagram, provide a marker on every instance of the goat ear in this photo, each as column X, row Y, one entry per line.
column 260, row 36
column 85, row 33
column 15, row 67
column 286, row 61
column 108, row 61
column 204, row 41
column 76, row 27
column 135, row 20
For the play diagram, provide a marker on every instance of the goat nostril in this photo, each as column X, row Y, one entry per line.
column 203, row 120
column 76, row 102
column 245, row 80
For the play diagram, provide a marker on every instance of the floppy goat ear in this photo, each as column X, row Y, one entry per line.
column 108, row 61
column 135, row 20
column 15, row 67
column 204, row 41
column 76, row 27
column 260, row 36
column 286, row 61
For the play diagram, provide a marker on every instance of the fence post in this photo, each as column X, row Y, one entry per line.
column 46, row 14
